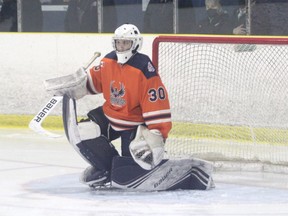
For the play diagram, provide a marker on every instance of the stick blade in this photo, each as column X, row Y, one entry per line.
column 37, row 128
column 36, row 123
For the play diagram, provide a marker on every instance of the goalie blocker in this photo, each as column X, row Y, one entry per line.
column 125, row 173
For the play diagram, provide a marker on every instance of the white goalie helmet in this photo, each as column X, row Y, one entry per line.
column 127, row 32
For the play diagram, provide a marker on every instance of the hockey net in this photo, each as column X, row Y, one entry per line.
column 229, row 99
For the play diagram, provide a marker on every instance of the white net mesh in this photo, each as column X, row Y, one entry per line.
column 229, row 100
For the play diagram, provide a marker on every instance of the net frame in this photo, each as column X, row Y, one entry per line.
column 213, row 39
column 236, row 161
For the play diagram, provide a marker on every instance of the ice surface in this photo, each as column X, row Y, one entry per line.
column 39, row 176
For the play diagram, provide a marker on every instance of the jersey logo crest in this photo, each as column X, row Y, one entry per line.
column 117, row 94
column 150, row 67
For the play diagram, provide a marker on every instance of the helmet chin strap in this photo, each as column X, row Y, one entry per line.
column 135, row 50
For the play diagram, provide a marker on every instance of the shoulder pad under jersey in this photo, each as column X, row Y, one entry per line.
column 111, row 55
column 143, row 63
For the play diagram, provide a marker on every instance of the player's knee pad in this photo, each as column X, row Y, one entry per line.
column 95, row 147
column 88, row 130
column 97, row 115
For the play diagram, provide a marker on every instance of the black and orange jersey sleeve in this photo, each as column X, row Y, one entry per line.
column 154, row 100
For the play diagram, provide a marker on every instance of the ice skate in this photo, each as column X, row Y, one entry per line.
column 95, row 178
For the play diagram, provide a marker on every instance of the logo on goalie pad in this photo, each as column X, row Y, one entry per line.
column 45, row 110
column 163, row 178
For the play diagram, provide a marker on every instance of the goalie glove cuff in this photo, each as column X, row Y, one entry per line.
column 147, row 149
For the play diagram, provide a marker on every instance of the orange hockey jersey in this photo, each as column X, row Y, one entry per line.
column 134, row 93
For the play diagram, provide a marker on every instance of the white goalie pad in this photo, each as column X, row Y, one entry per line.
column 172, row 174
column 73, row 85
column 77, row 132
column 89, row 130
column 70, row 122
column 85, row 137
column 147, row 149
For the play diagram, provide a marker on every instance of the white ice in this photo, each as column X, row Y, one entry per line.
column 39, row 176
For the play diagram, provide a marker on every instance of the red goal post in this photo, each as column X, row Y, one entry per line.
column 229, row 98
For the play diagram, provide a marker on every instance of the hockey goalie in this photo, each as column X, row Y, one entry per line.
column 137, row 112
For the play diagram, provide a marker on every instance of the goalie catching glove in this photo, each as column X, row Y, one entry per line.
column 73, row 85
column 147, row 149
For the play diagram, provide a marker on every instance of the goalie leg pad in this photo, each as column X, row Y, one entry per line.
column 86, row 139
column 99, row 152
column 191, row 174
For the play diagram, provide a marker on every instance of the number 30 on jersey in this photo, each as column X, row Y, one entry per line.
column 156, row 94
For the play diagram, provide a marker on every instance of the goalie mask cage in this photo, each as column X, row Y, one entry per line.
column 229, row 99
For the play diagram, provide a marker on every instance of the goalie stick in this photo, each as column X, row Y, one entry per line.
column 36, row 123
